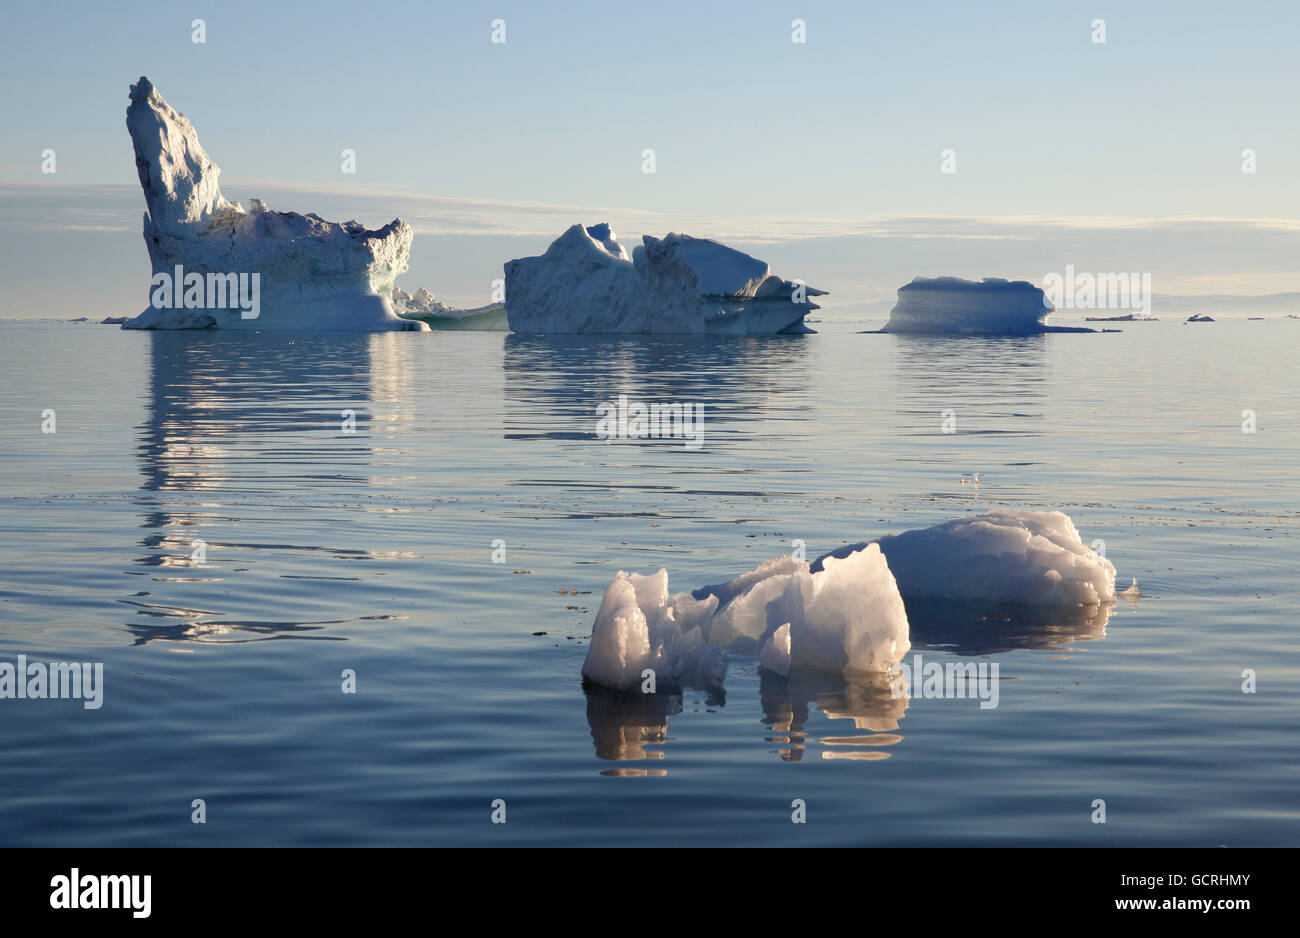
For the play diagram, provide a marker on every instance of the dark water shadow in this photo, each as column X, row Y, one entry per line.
column 989, row 628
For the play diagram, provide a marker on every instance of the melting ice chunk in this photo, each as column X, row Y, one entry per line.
column 847, row 617
column 775, row 654
column 637, row 630
column 845, row 611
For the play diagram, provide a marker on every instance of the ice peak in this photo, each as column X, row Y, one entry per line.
column 178, row 177
column 141, row 90
column 605, row 237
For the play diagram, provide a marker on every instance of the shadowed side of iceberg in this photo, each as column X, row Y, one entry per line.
column 289, row 271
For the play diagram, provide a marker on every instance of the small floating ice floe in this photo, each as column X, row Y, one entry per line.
column 847, row 617
column 844, row 612
column 588, row 283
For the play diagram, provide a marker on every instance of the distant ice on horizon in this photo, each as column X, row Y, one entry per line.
column 951, row 305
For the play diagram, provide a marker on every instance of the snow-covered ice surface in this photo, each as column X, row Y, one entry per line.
column 1011, row 556
column 848, row 617
column 586, row 282
column 993, row 306
column 314, row 274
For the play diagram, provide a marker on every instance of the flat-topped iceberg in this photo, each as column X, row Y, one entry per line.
column 1008, row 556
column 951, row 305
column 586, row 282
column 216, row 265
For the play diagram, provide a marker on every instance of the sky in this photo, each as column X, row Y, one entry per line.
column 823, row 157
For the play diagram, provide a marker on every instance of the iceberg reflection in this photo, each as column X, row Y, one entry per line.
column 230, row 417
column 866, row 701
column 554, row 384
column 623, row 724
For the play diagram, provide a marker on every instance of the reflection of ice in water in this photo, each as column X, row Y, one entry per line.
column 553, row 384
column 392, row 385
column 624, row 723
column 226, row 416
column 867, row 701
column 628, row 726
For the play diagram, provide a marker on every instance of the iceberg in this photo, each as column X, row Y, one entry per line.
column 846, row 617
column 427, row 308
column 588, row 283
column 304, row 272
column 1007, row 556
column 993, row 306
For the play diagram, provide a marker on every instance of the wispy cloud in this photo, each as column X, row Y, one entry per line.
column 118, row 206
column 462, row 242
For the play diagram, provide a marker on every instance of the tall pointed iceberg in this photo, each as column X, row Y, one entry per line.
column 216, row 265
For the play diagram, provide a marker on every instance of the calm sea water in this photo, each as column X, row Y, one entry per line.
column 372, row 550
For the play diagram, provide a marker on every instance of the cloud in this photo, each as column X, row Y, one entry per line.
column 118, row 206
column 462, row 242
